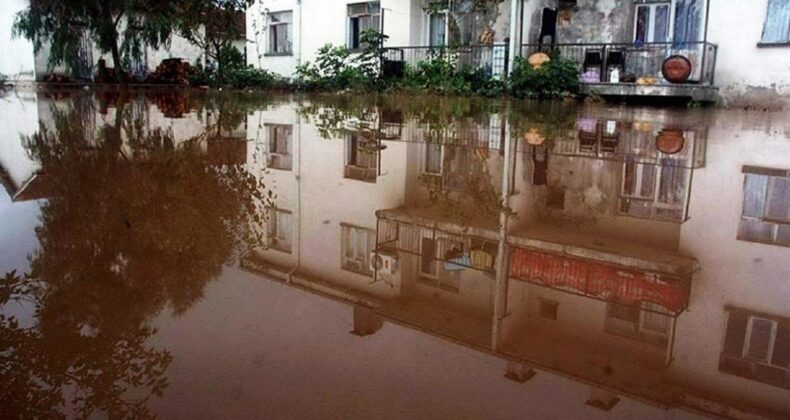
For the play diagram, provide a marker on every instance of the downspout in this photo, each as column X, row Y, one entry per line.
column 299, row 34
column 514, row 42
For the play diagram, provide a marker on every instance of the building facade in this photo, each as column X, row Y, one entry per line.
column 633, row 36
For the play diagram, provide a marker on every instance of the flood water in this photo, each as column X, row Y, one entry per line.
column 192, row 255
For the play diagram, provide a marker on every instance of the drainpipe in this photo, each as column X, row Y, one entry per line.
column 299, row 34
column 514, row 42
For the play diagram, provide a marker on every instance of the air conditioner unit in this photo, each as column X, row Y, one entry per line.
column 383, row 262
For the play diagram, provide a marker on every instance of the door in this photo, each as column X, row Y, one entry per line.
column 437, row 29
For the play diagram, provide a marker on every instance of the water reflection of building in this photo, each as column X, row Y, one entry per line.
column 602, row 274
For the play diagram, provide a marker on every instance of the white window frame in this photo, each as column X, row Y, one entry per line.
column 348, row 233
column 350, row 16
column 272, row 132
column 747, row 340
column 655, row 200
column 641, row 331
column 271, row 49
column 651, row 29
column 277, row 241
column 768, row 196
column 445, row 41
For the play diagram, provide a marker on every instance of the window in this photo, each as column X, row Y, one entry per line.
column 757, row 346
column 362, row 157
column 280, row 149
column 280, row 33
column 766, row 206
column 655, row 191
column 357, row 244
column 437, row 29
column 548, row 308
column 643, row 322
column 433, row 158
column 651, row 22
column 279, row 230
column 777, row 22
column 433, row 271
column 361, row 17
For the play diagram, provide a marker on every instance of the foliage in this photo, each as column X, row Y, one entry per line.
column 213, row 25
column 336, row 68
column 115, row 27
column 247, row 77
column 232, row 58
column 553, row 79
column 439, row 75
column 122, row 237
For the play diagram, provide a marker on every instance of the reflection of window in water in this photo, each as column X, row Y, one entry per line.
column 766, row 206
column 757, row 346
column 638, row 322
column 432, row 270
column 433, row 158
column 361, row 158
column 654, row 191
column 280, row 146
column 357, row 244
column 279, row 229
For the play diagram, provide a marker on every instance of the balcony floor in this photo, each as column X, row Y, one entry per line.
column 699, row 93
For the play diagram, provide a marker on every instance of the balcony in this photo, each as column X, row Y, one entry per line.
column 639, row 67
column 491, row 58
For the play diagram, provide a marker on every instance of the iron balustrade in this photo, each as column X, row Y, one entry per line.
column 640, row 60
column 491, row 58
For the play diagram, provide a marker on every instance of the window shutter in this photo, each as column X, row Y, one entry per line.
column 777, row 21
column 736, row 331
column 760, row 339
column 781, row 355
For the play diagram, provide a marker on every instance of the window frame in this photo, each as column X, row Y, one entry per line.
column 272, row 133
column 349, row 26
column 346, row 232
column 751, row 226
column 616, row 326
column 272, row 225
column 775, row 43
column 652, row 6
column 271, row 50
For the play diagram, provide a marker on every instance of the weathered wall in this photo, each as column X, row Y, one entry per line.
column 590, row 22
column 749, row 76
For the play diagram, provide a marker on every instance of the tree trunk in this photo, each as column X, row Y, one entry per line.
column 220, row 65
column 116, row 62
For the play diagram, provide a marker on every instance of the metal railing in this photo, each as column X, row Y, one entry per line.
column 638, row 60
column 491, row 58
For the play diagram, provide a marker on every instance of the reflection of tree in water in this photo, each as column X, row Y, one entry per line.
column 121, row 238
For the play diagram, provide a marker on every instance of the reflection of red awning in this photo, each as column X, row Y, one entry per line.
column 599, row 280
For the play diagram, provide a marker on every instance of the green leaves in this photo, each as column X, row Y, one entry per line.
column 553, row 79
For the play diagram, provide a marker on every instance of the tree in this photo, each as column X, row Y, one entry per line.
column 122, row 237
column 213, row 25
column 119, row 27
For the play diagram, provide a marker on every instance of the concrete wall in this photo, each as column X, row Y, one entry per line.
column 19, row 118
column 17, row 54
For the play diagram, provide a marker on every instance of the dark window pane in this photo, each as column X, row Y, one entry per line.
column 754, row 191
column 781, row 355
column 736, row 330
column 755, row 230
column 778, row 207
column 760, row 339
column 642, row 20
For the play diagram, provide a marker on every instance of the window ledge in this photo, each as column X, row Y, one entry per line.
column 773, row 44
column 288, row 54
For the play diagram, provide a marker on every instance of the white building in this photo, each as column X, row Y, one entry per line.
column 736, row 51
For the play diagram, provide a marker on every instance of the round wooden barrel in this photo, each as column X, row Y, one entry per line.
column 676, row 69
column 670, row 141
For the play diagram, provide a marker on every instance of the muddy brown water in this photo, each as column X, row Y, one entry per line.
column 191, row 255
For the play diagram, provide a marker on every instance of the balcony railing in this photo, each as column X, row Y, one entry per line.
column 642, row 61
column 491, row 58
